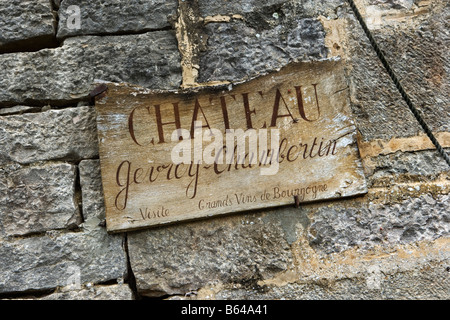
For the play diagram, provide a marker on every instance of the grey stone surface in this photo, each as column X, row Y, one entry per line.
column 91, row 189
column 181, row 258
column 378, row 108
column 261, row 37
column 212, row 8
column 30, row 20
column 394, row 4
column 100, row 17
column 239, row 251
column 111, row 292
column 38, row 199
column 67, row 73
column 394, row 285
column 338, row 228
column 298, row 8
column 425, row 164
column 61, row 259
column 236, row 51
column 68, row 134
column 417, row 52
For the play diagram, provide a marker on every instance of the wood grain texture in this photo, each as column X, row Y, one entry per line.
column 317, row 153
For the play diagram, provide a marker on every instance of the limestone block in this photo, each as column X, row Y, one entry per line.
column 67, row 73
column 28, row 23
column 115, row 16
column 181, row 258
column 235, row 51
column 38, row 199
column 61, row 259
column 91, row 189
column 66, row 134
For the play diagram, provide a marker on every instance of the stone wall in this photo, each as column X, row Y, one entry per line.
column 392, row 243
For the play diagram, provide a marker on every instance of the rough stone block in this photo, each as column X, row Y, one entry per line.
column 338, row 228
column 61, row 259
column 420, row 166
column 178, row 259
column 375, row 282
column 299, row 8
column 26, row 24
column 111, row 292
column 97, row 17
column 380, row 112
column 212, row 8
column 414, row 39
column 244, row 250
column 67, row 73
column 235, row 51
column 38, row 199
column 67, row 134
column 260, row 37
column 91, row 189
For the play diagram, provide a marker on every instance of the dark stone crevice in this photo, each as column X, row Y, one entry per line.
column 30, row 45
column 118, row 33
column 130, row 279
column 29, row 294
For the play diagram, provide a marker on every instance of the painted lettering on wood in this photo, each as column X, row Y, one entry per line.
column 173, row 156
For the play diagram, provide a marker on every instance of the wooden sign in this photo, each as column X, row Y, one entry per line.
column 181, row 155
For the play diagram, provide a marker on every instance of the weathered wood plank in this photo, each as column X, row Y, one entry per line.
column 315, row 157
